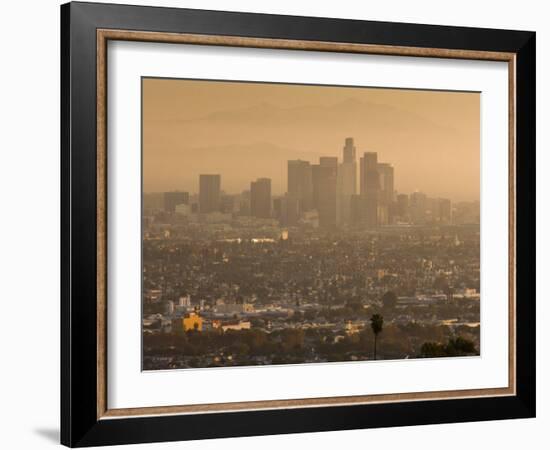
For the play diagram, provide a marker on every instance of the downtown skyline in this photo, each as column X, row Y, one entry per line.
column 428, row 135
column 357, row 189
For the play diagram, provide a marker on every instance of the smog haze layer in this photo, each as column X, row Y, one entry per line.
column 245, row 130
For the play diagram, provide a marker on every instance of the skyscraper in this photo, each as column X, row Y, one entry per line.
column 403, row 207
column 417, row 207
column 349, row 151
column 244, row 203
column 324, row 177
column 329, row 161
column 369, row 176
column 444, row 210
column 209, row 193
column 370, row 188
column 385, row 172
column 357, row 209
column 386, row 197
column 300, row 188
column 346, row 183
column 260, row 198
column 291, row 210
column 172, row 199
column 279, row 209
column 228, row 204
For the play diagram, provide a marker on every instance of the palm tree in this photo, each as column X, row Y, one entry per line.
column 376, row 323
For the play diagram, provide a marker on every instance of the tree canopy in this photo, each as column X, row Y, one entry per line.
column 376, row 323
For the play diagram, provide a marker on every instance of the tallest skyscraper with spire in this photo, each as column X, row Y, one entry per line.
column 349, row 151
column 347, row 182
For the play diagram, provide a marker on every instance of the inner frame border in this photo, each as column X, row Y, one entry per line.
column 104, row 35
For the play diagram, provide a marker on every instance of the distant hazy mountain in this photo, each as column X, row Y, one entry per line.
column 304, row 127
column 238, row 165
column 245, row 143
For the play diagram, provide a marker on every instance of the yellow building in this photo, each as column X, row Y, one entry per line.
column 191, row 321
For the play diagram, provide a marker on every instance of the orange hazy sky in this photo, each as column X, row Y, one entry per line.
column 245, row 131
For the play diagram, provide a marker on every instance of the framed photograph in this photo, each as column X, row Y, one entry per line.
column 277, row 224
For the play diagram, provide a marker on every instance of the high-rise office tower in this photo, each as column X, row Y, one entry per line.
column 228, row 204
column 357, row 209
column 349, row 151
column 290, row 210
column 444, row 210
column 417, row 207
column 324, row 177
column 320, row 174
column 209, row 193
column 244, row 203
column 346, row 183
column 386, row 197
column 172, row 199
column 369, row 176
column 279, row 209
column 370, row 188
column 385, row 172
column 329, row 161
column 403, row 207
column 300, row 187
column 260, row 198
column 315, row 173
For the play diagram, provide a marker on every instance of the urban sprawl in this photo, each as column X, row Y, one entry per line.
column 326, row 272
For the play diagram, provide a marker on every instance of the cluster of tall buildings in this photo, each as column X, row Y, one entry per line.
column 327, row 194
column 331, row 189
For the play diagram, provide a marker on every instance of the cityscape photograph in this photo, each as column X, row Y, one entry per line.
column 301, row 224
